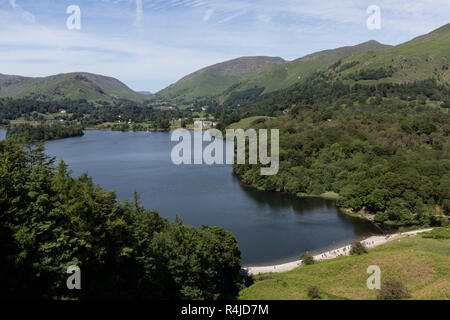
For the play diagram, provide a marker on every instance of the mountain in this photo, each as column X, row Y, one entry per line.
column 145, row 93
column 367, row 129
column 214, row 79
column 284, row 76
column 424, row 57
column 79, row 85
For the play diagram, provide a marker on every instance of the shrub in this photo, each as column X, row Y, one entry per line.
column 358, row 248
column 393, row 289
column 307, row 258
column 313, row 292
column 437, row 233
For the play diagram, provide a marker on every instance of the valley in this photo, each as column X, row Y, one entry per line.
column 364, row 150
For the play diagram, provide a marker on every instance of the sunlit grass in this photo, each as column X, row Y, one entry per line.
column 423, row 265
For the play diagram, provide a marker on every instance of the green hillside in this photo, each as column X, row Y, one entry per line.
column 87, row 86
column 284, row 76
column 421, row 264
column 372, row 142
column 424, row 57
column 214, row 79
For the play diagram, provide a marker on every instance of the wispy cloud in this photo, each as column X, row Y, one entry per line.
column 139, row 12
column 25, row 14
column 208, row 14
column 150, row 43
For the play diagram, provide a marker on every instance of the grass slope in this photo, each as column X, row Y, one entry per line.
column 424, row 57
column 215, row 79
column 71, row 85
column 248, row 123
column 423, row 265
column 284, row 76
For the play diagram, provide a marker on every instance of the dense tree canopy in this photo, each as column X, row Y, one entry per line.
column 50, row 220
column 43, row 132
column 384, row 149
column 89, row 114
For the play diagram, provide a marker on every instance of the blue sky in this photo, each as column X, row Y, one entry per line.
column 149, row 44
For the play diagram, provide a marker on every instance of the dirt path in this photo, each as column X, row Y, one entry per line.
column 370, row 242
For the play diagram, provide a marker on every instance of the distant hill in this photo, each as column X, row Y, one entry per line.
column 79, row 85
column 424, row 57
column 213, row 80
column 286, row 75
column 145, row 92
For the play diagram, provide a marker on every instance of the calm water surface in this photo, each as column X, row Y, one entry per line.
column 270, row 227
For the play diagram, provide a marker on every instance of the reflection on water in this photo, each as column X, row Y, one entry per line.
column 268, row 226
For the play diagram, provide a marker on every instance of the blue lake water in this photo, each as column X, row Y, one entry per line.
column 269, row 227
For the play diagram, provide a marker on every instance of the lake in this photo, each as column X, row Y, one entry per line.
column 269, row 227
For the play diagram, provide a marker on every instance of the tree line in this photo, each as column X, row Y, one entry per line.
column 385, row 148
column 29, row 133
column 89, row 114
column 51, row 220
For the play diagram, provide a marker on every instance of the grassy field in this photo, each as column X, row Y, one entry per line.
column 422, row 264
column 246, row 123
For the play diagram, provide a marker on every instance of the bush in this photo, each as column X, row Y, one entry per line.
column 313, row 292
column 307, row 258
column 437, row 233
column 393, row 289
column 358, row 248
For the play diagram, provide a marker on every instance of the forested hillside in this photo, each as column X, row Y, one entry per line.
column 385, row 149
column 373, row 128
column 50, row 221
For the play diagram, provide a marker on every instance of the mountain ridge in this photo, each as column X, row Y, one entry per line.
column 214, row 79
column 298, row 70
column 424, row 57
column 73, row 85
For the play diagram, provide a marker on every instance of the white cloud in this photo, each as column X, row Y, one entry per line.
column 42, row 51
column 25, row 14
column 176, row 37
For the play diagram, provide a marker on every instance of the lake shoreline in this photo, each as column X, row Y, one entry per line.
column 370, row 242
column 288, row 260
column 259, row 221
column 326, row 195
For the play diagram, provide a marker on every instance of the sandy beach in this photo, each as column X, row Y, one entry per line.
column 370, row 242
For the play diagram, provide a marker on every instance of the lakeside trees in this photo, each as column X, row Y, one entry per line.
column 122, row 115
column 43, row 132
column 50, row 220
column 383, row 148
